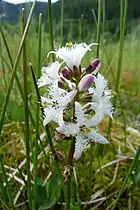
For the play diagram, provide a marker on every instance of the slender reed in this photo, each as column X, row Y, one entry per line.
column 27, row 131
column 90, row 170
column 99, row 26
column 123, row 15
column 103, row 26
column 37, row 115
column 3, row 69
column 61, row 23
column 51, row 26
column 16, row 76
column 5, row 104
column 98, row 33
column 94, row 17
column 80, row 28
column 47, row 128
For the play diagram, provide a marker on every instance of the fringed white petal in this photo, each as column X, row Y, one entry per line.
column 79, row 146
column 96, row 137
column 74, row 54
column 49, row 74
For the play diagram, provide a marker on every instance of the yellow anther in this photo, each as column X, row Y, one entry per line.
column 87, row 130
column 43, row 70
column 114, row 93
column 69, row 44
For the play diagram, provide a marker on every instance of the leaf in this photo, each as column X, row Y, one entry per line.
column 42, row 195
column 53, row 192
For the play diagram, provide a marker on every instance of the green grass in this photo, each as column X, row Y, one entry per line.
column 27, row 148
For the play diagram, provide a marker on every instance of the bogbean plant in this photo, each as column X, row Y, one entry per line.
column 77, row 98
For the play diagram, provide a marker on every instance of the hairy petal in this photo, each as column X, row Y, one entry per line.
column 73, row 55
column 49, row 74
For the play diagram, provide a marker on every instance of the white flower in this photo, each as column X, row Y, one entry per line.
column 68, row 129
column 73, row 54
column 100, row 100
column 73, row 128
column 49, row 74
column 55, row 103
column 82, row 132
column 83, row 139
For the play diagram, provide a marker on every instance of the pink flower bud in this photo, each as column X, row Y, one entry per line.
column 72, row 94
column 85, row 82
column 67, row 73
column 94, row 66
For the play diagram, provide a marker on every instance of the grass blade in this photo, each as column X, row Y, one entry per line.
column 27, row 127
column 2, row 64
column 99, row 26
column 61, row 23
column 80, row 28
column 123, row 15
column 15, row 68
column 51, row 27
column 37, row 117
column 16, row 77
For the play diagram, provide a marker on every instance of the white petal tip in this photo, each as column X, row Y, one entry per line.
column 51, row 53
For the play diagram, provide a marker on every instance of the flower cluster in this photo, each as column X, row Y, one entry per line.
column 77, row 98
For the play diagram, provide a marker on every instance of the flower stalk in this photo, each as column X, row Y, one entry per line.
column 76, row 100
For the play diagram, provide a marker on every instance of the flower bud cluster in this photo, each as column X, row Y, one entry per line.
column 77, row 99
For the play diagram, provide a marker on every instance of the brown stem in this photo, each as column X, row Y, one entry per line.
column 69, row 165
column 71, row 153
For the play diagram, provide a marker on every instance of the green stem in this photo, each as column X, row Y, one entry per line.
column 27, row 131
column 90, row 171
column 122, row 31
column 2, row 64
column 123, row 14
column 97, row 55
column 94, row 17
column 37, row 117
column 61, row 23
column 121, row 105
column 68, row 184
column 5, row 104
column 16, row 76
column 80, row 28
column 51, row 26
column 103, row 25
column 70, row 165
column 99, row 26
